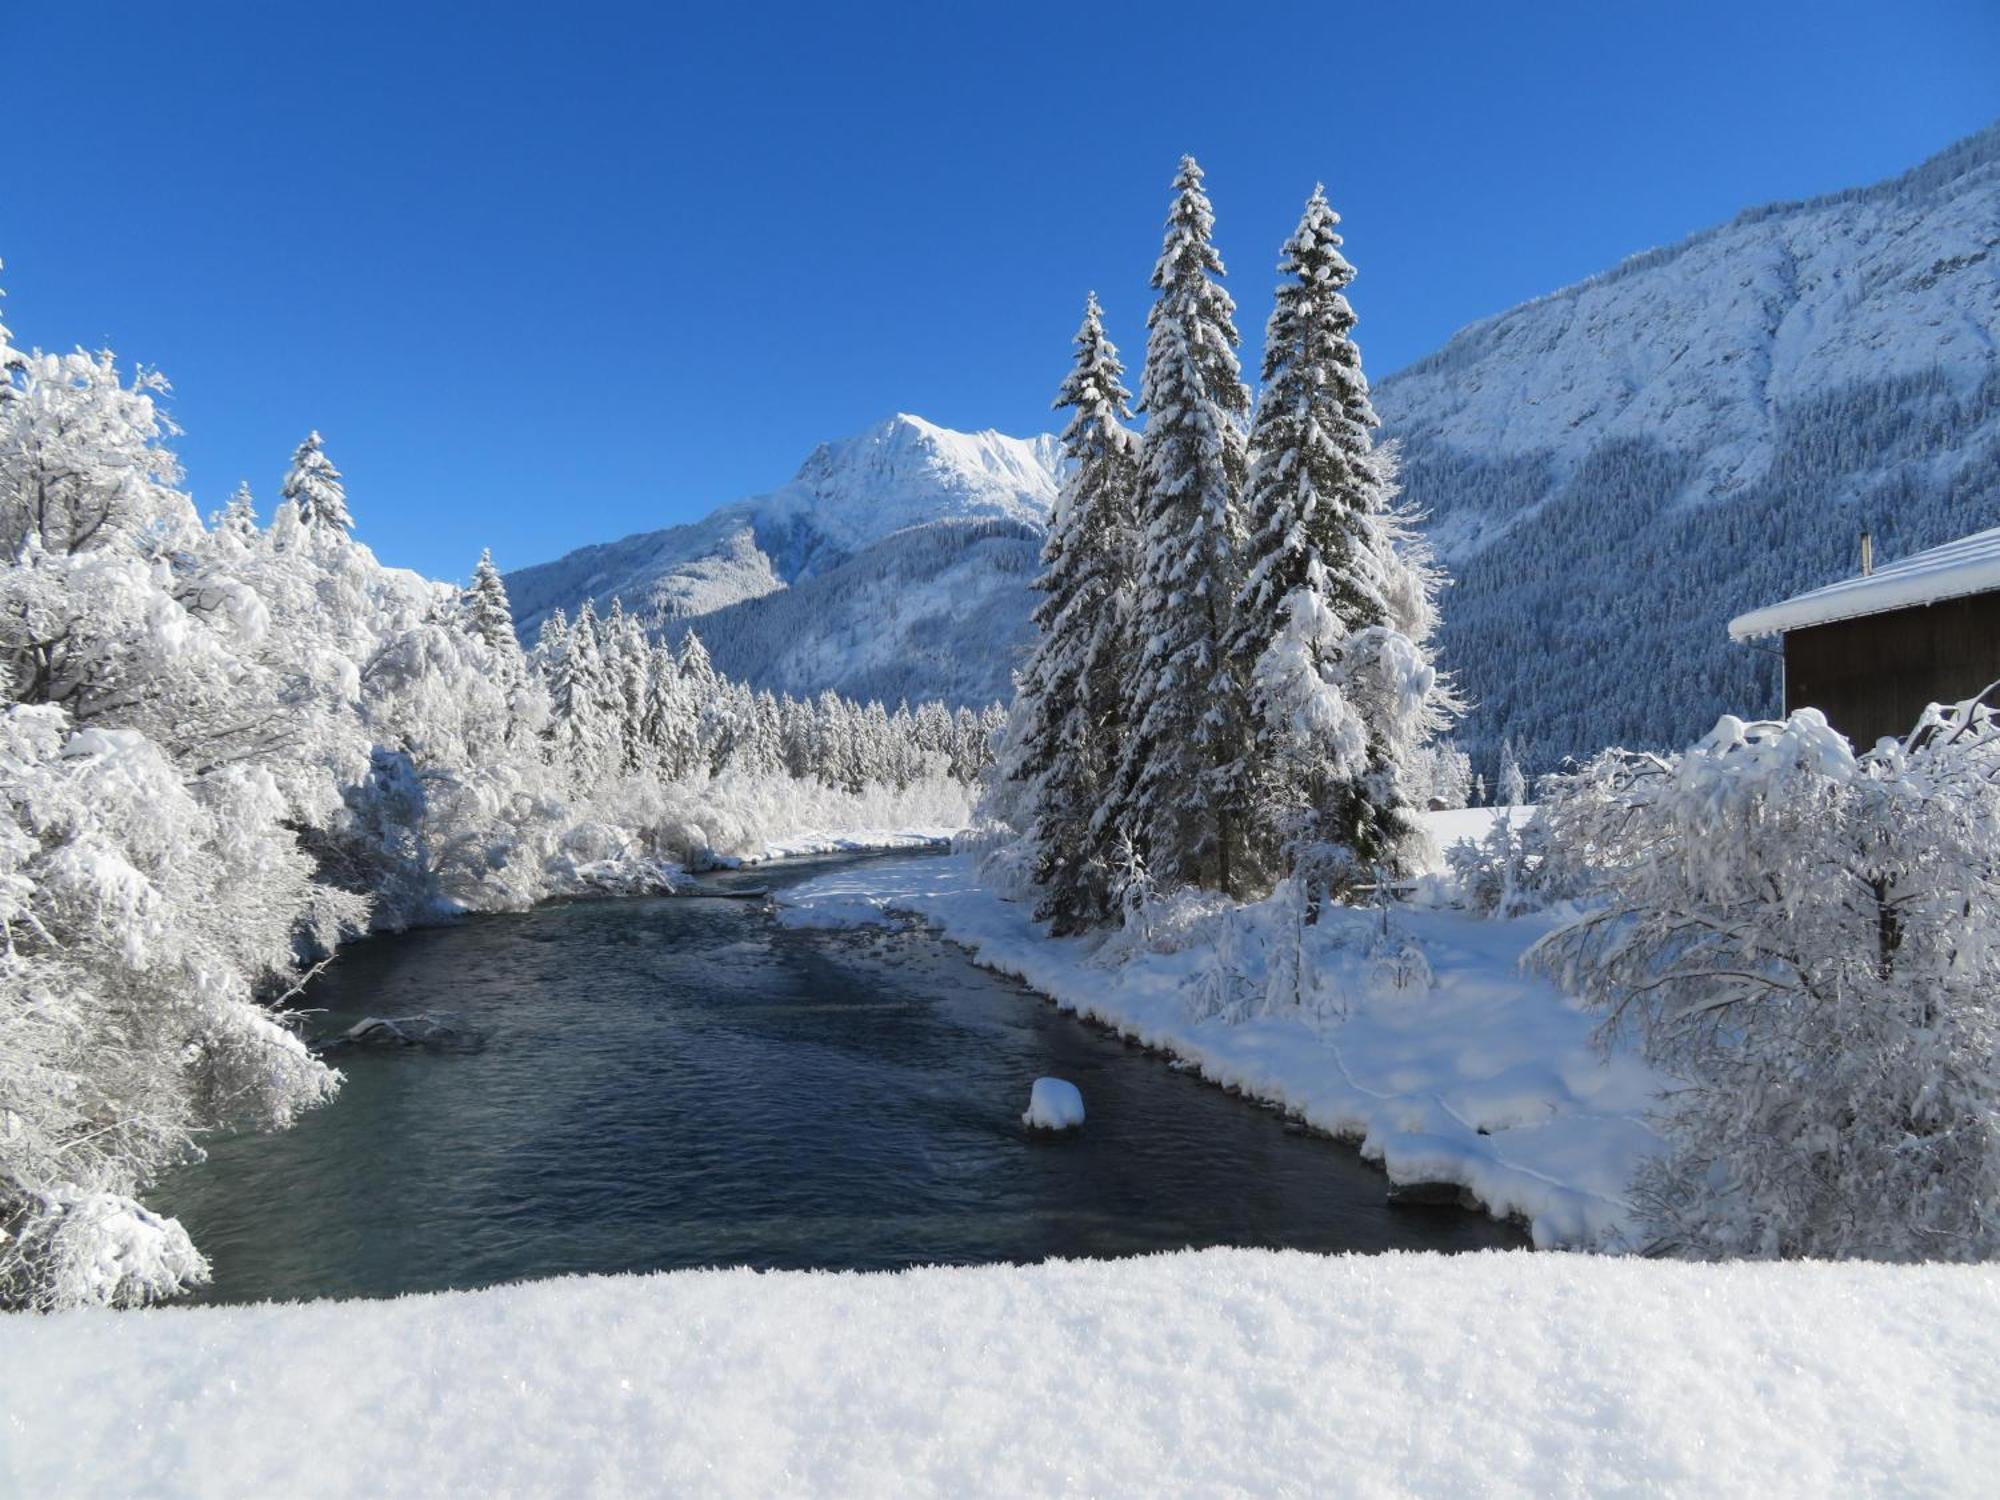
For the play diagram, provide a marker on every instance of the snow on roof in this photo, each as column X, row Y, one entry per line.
column 1970, row 565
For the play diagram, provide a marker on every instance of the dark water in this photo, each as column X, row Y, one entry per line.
column 645, row 1084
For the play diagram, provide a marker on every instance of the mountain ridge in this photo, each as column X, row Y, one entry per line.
column 1614, row 469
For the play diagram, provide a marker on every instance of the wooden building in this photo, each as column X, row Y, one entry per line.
column 1873, row 651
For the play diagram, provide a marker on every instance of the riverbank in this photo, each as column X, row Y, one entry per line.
column 855, row 841
column 1471, row 1076
column 1212, row 1372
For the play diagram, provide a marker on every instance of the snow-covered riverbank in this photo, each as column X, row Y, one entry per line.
column 1485, row 1078
column 1221, row 1372
column 849, row 841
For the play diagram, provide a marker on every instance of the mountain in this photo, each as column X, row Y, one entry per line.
column 1612, row 471
column 895, row 563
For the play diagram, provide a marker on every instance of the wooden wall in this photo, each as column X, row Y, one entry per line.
column 1873, row 676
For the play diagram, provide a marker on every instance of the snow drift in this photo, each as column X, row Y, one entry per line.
column 1222, row 1372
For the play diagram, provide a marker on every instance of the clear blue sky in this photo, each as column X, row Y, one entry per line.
column 548, row 274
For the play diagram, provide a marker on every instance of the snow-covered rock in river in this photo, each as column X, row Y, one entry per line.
column 1054, row 1104
column 1614, row 470
column 895, row 563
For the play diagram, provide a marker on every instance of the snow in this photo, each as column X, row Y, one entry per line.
column 1218, row 1372
column 1970, row 565
column 1488, row 1078
column 1054, row 1104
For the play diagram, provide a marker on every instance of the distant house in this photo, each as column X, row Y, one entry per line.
column 1871, row 652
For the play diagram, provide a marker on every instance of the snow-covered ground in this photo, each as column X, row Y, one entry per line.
column 1219, row 1372
column 1469, row 823
column 1487, row 1078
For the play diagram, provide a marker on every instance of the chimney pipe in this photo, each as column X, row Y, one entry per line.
column 1867, row 553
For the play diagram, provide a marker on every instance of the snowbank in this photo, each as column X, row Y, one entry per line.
column 1486, row 1079
column 1054, row 1104
column 1223, row 1371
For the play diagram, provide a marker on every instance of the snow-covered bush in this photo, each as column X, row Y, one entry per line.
column 1514, row 870
column 1811, row 942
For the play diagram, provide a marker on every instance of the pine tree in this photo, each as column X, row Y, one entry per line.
column 1329, row 569
column 314, row 486
column 627, row 667
column 11, row 359
column 582, row 736
column 488, row 613
column 701, row 688
column 239, row 516
column 1513, row 786
column 1073, row 686
column 1185, row 702
column 668, row 728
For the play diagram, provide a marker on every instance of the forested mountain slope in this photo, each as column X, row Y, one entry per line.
column 935, row 611
column 1613, row 471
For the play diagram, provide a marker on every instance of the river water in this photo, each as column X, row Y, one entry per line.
column 647, row 1084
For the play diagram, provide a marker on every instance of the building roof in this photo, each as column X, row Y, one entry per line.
column 1970, row 565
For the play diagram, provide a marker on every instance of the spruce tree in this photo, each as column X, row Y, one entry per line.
column 314, row 486
column 1329, row 570
column 1073, row 685
column 1185, row 703
column 668, row 727
column 488, row 612
column 1512, row 784
column 583, row 734
column 627, row 664
column 11, row 359
column 239, row 516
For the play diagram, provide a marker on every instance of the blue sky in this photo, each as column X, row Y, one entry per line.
column 546, row 275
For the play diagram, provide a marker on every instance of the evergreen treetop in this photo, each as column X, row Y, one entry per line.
column 314, row 486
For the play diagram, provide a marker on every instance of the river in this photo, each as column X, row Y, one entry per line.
column 653, row 1083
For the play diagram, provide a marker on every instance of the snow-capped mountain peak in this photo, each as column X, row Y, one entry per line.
column 968, row 505
column 909, row 472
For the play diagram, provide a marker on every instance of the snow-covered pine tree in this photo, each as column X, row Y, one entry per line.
column 239, row 517
column 1072, row 688
column 1513, row 786
column 314, row 486
column 488, row 613
column 1185, row 704
column 1331, row 574
column 582, row 741
column 668, row 728
column 11, row 359
column 701, row 690
column 627, row 666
